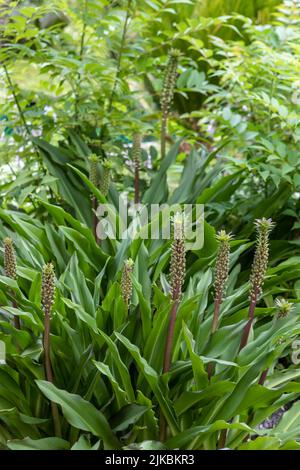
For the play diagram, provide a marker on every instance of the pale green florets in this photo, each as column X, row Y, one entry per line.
column 126, row 282
column 10, row 263
column 136, row 150
column 222, row 263
column 261, row 257
column 106, row 177
column 169, row 81
column 177, row 268
column 48, row 280
column 94, row 160
column 284, row 307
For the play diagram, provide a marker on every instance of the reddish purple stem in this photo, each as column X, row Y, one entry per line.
column 248, row 326
column 95, row 219
column 136, row 185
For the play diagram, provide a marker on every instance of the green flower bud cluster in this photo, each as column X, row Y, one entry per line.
column 10, row 263
column 106, row 178
column 222, row 264
column 169, row 81
column 284, row 307
column 136, row 150
column 261, row 257
column 48, row 281
column 281, row 340
column 177, row 268
column 126, row 282
column 94, row 160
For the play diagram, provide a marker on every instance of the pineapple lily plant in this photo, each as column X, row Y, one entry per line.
column 131, row 345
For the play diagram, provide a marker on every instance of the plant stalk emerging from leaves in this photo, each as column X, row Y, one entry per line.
column 258, row 271
column 167, row 95
column 10, row 270
column 284, row 308
column 136, row 157
column 221, row 276
column 47, row 302
column 126, row 282
column 177, row 271
column 94, row 160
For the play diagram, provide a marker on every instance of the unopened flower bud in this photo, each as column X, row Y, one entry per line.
column 222, row 264
column 169, row 81
column 261, row 257
column 177, row 268
column 94, row 160
column 106, row 177
column 136, row 150
column 48, row 280
column 284, row 307
column 10, row 263
column 126, row 282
